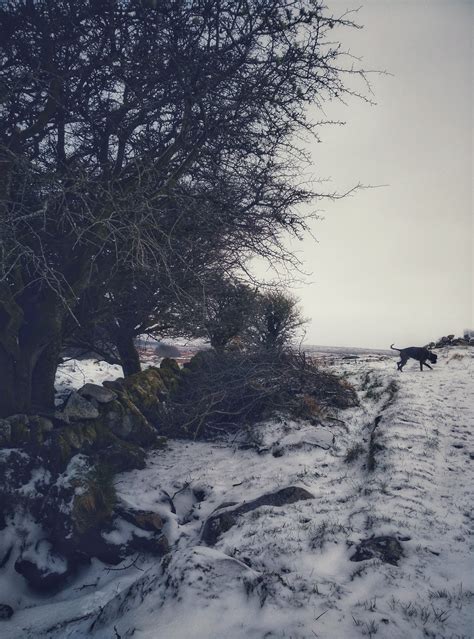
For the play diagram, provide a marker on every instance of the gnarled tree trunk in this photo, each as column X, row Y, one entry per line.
column 128, row 353
column 30, row 341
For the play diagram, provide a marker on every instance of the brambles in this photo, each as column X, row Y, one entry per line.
column 222, row 392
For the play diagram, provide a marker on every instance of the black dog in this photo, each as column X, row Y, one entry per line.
column 415, row 352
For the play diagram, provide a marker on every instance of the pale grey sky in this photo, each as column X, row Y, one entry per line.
column 395, row 264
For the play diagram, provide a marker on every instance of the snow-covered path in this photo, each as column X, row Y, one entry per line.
column 399, row 465
column 419, row 491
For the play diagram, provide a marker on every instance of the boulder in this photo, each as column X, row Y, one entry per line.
column 94, row 502
column 16, row 467
column 226, row 516
column 24, row 430
column 77, row 408
column 93, row 544
column 41, row 424
column 6, row 611
column 117, row 540
column 127, row 422
column 44, row 569
column 143, row 519
column 19, row 430
column 67, row 441
column 155, row 544
column 170, row 373
column 123, row 456
column 141, row 389
column 100, row 394
column 387, row 549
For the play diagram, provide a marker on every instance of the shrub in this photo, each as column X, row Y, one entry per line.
column 222, row 392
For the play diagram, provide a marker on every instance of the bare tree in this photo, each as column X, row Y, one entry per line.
column 125, row 125
column 275, row 321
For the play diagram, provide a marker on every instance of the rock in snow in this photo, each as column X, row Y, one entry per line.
column 5, row 611
column 78, row 408
column 98, row 393
column 226, row 517
column 386, row 548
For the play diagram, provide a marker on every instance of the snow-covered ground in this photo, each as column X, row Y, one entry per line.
column 286, row 571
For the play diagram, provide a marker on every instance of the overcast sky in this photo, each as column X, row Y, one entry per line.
column 395, row 264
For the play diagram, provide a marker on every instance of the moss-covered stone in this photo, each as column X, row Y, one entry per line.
column 170, row 373
column 78, row 408
column 114, row 418
column 77, row 438
column 94, row 500
column 142, row 389
column 123, row 456
column 27, row 431
column 126, row 421
column 20, row 430
column 143, row 519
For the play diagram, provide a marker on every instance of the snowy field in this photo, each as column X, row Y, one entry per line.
column 399, row 465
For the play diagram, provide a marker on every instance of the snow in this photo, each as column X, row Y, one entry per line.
column 122, row 533
column 286, row 571
column 38, row 476
column 74, row 373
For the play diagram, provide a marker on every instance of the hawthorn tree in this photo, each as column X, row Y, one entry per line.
column 134, row 129
column 275, row 321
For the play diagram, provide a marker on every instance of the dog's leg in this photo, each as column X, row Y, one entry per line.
column 401, row 364
column 426, row 365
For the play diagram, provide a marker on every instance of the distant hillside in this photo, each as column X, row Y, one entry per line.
column 344, row 350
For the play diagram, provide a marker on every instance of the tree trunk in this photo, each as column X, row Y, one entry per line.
column 8, row 385
column 15, row 383
column 30, row 340
column 129, row 357
column 43, row 377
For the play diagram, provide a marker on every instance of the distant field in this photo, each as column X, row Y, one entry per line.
column 187, row 350
column 343, row 351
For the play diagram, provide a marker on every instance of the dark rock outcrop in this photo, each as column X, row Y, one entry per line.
column 387, row 549
column 6, row 611
column 227, row 515
column 44, row 569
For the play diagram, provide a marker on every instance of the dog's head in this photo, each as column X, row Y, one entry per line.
column 432, row 357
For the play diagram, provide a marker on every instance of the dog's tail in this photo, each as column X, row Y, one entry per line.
column 394, row 349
